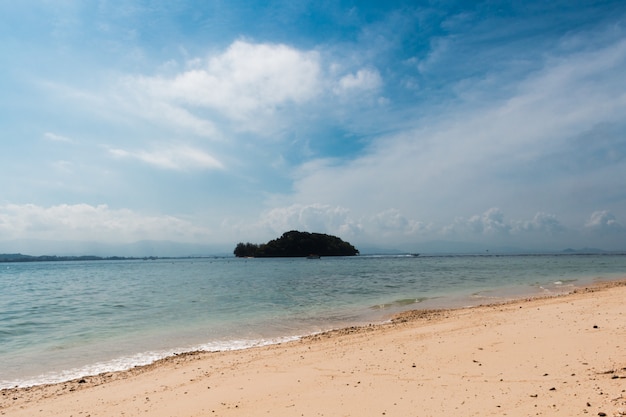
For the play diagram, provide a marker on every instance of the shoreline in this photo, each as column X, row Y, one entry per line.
column 263, row 369
column 374, row 315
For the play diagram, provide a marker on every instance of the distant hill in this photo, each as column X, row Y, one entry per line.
column 297, row 244
column 18, row 257
column 584, row 250
column 139, row 249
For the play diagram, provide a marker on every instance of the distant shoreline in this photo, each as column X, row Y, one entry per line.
column 21, row 258
column 18, row 258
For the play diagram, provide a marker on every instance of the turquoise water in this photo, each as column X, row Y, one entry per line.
column 62, row 320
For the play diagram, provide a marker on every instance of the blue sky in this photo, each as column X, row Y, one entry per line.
column 390, row 124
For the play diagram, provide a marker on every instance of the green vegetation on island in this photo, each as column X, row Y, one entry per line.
column 297, row 244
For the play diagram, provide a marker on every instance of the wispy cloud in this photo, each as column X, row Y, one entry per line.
column 363, row 80
column 84, row 222
column 63, row 166
column 57, row 138
column 178, row 158
column 496, row 152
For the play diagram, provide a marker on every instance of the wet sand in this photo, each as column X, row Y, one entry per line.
column 555, row 356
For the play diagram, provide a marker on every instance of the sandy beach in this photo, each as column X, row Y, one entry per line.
column 555, row 356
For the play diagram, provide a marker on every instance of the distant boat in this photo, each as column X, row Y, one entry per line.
column 312, row 256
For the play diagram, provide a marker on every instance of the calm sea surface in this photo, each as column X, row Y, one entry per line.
column 62, row 320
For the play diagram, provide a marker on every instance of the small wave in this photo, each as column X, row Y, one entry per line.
column 485, row 295
column 140, row 359
column 399, row 303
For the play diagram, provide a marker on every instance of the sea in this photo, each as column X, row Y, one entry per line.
column 63, row 320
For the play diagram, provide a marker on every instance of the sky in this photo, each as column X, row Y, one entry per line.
column 409, row 125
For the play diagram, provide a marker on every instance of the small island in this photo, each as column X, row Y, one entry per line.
column 297, row 244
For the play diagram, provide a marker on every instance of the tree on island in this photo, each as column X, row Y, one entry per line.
column 297, row 244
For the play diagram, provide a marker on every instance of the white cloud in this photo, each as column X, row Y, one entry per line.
column 542, row 222
column 392, row 222
column 140, row 103
column 603, row 221
column 178, row 158
column 490, row 223
column 244, row 82
column 263, row 88
column 389, row 226
column 57, row 138
column 543, row 232
column 92, row 223
column 363, row 80
column 318, row 218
